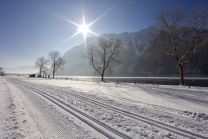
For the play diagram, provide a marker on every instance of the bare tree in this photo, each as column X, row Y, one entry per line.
column 45, row 72
column 103, row 55
column 57, row 62
column 41, row 63
column 2, row 71
column 183, row 34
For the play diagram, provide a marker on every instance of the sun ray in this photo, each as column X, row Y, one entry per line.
column 63, row 18
column 84, row 28
column 104, row 13
column 68, row 39
column 94, row 33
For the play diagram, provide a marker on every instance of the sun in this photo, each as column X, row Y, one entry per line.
column 84, row 29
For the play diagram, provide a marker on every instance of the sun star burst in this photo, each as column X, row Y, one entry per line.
column 82, row 28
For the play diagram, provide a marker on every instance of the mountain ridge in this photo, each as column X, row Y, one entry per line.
column 131, row 46
column 138, row 55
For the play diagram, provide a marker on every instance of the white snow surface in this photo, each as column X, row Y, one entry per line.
column 25, row 114
column 15, row 121
column 139, row 94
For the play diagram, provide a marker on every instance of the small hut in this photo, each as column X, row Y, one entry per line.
column 32, row 75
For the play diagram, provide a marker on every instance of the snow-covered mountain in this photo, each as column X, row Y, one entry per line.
column 133, row 46
column 139, row 55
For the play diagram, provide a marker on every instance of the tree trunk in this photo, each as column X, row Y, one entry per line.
column 181, row 74
column 102, row 77
column 53, row 67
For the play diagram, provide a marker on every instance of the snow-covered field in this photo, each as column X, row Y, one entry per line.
column 48, row 108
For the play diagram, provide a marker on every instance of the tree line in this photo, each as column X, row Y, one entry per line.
column 179, row 35
column 54, row 60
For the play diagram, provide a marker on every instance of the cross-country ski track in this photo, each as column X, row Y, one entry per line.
column 101, row 117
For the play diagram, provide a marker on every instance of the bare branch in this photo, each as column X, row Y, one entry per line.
column 56, row 61
column 103, row 55
column 41, row 63
column 186, row 33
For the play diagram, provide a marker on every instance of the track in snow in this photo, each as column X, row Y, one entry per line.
column 149, row 121
column 49, row 121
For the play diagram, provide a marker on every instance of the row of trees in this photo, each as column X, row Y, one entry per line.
column 54, row 60
column 179, row 34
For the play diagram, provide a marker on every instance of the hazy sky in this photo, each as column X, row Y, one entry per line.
column 31, row 28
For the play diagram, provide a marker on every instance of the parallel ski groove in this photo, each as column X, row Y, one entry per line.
column 85, row 115
column 141, row 118
column 54, row 121
column 145, row 120
column 132, row 115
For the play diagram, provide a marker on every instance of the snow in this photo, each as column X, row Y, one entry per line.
column 14, row 118
column 175, row 110
column 140, row 94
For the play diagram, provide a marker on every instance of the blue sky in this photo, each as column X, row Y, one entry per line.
column 31, row 28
